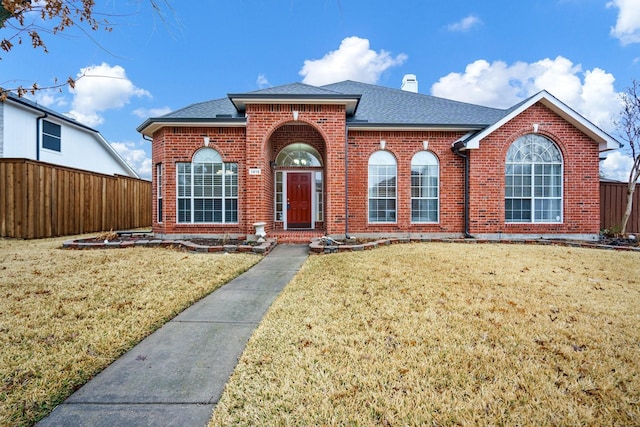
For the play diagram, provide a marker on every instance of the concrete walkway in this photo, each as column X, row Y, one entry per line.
column 176, row 376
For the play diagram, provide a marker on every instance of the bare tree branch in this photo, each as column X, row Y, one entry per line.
column 629, row 130
column 62, row 14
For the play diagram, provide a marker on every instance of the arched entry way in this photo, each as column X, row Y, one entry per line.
column 299, row 187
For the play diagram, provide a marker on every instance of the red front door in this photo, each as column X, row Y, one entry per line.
column 298, row 200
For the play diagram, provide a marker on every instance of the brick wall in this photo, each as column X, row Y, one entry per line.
column 403, row 146
column 272, row 127
column 580, row 185
column 269, row 129
column 173, row 145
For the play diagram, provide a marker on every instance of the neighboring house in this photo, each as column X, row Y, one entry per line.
column 31, row 131
column 362, row 160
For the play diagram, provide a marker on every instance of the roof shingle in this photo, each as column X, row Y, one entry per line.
column 378, row 105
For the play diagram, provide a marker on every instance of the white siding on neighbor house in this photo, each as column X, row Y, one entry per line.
column 80, row 148
column 20, row 137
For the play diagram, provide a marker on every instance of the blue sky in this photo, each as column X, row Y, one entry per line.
column 494, row 53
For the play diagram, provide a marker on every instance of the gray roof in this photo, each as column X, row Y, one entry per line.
column 294, row 89
column 205, row 110
column 382, row 105
column 376, row 106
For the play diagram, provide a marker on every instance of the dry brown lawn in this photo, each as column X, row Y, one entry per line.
column 447, row 334
column 65, row 315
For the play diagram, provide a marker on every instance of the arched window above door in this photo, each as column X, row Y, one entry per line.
column 299, row 155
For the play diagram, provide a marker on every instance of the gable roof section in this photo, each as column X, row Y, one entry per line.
column 28, row 104
column 604, row 140
column 293, row 89
column 297, row 93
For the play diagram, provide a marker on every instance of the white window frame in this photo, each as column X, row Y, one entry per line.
column 382, row 159
column 533, row 160
column 208, row 156
column 159, row 195
column 47, row 135
column 425, row 159
column 298, row 157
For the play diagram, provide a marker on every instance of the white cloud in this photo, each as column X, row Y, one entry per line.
column 501, row 85
column 627, row 27
column 46, row 98
column 617, row 166
column 465, row 24
column 262, row 81
column 145, row 113
column 353, row 60
column 100, row 88
column 135, row 156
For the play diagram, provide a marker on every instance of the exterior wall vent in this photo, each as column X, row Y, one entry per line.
column 410, row 83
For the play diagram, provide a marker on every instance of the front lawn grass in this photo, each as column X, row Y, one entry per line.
column 447, row 334
column 65, row 315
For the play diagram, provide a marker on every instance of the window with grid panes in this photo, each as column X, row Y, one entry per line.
column 207, row 189
column 533, row 181
column 159, row 190
column 51, row 136
column 382, row 187
column 424, row 187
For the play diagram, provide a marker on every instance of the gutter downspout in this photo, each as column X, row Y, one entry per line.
column 38, row 122
column 346, row 181
column 456, row 149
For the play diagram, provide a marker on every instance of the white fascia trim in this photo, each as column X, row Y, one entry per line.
column 604, row 140
column 409, row 128
column 296, row 100
column 153, row 127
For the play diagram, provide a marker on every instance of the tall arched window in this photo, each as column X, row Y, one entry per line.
column 424, row 187
column 207, row 189
column 382, row 187
column 533, row 187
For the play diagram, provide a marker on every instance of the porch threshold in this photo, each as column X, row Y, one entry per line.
column 295, row 236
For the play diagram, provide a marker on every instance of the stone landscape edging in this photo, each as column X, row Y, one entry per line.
column 319, row 247
column 261, row 248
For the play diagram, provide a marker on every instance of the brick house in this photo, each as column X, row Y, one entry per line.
column 363, row 160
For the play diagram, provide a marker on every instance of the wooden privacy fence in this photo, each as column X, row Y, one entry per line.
column 613, row 202
column 43, row 200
